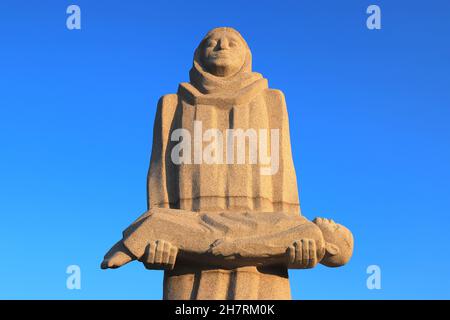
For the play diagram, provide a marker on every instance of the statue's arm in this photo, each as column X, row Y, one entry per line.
column 157, row 186
column 286, row 192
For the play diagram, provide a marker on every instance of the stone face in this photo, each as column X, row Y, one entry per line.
column 223, row 214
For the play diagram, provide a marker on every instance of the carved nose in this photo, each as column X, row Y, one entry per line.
column 223, row 44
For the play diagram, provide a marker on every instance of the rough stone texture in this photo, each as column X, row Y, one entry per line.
column 225, row 231
column 244, row 283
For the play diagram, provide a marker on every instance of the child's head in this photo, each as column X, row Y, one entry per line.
column 338, row 242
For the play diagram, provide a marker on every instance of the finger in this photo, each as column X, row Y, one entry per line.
column 312, row 253
column 291, row 254
column 159, row 251
column 151, row 252
column 298, row 252
column 166, row 252
column 173, row 256
column 305, row 253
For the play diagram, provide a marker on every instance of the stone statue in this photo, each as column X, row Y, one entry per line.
column 224, row 220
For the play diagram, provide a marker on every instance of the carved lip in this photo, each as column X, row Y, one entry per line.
column 220, row 54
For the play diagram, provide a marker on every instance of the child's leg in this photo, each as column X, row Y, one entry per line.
column 116, row 257
column 157, row 236
column 183, row 229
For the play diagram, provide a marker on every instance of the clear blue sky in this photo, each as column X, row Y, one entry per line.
column 369, row 115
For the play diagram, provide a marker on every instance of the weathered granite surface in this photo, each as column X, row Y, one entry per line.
column 226, row 227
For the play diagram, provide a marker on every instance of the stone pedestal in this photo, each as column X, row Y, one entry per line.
column 246, row 283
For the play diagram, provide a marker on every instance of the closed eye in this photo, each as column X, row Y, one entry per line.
column 211, row 43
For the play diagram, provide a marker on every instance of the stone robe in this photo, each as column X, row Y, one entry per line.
column 241, row 102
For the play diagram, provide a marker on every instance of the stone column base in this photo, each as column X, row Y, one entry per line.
column 246, row 283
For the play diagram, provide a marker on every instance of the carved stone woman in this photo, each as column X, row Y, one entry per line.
column 223, row 94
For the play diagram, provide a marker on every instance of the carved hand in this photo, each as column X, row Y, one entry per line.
column 160, row 254
column 302, row 254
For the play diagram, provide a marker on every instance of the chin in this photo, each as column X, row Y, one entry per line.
column 222, row 66
column 220, row 63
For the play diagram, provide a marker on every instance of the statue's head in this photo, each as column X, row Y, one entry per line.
column 223, row 52
column 338, row 242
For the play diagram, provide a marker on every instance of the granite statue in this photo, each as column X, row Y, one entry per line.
column 223, row 218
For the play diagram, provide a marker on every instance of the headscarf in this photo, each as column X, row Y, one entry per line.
column 207, row 83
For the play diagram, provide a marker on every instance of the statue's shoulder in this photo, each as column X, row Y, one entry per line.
column 166, row 107
column 168, row 101
column 276, row 101
column 275, row 96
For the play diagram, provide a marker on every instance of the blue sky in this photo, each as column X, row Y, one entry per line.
column 369, row 115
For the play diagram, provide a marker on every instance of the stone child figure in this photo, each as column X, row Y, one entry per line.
column 159, row 235
column 223, row 215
